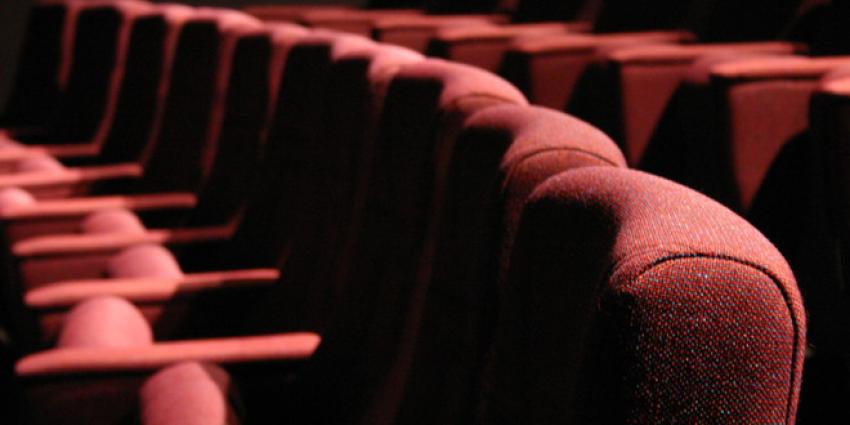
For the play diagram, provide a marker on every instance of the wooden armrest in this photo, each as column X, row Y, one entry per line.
column 84, row 243
column 83, row 206
column 65, row 294
column 683, row 53
column 782, row 67
column 70, row 176
column 578, row 42
column 60, row 361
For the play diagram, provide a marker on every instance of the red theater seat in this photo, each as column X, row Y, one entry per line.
column 272, row 215
column 35, row 89
column 141, row 68
column 633, row 299
column 547, row 68
column 170, row 161
column 485, row 46
column 626, row 90
column 94, row 37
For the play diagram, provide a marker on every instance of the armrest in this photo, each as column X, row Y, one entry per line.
column 770, row 68
column 579, row 42
column 77, row 150
column 82, row 206
column 71, row 176
column 281, row 347
column 83, row 243
column 685, row 53
column 66, row 294
column 837, row 87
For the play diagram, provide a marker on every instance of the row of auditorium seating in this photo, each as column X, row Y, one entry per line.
column 211, row 217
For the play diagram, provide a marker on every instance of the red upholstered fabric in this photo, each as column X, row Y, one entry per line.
column 188, row 394
column 332, row 208
column 255, row 78
column 35, row 89
column 112, row 221
column 39, row 164
column 281, row 194
column 179, row 157
column 502, row 153
column 631, row 299
column 721, row 135
column 104, row 322
column 547, row 68
column 144, row 261
column 144, row 88
column 485, row 46
column 414, row 32
column 14, row 197
column 626, row 91
column 100, row 43
column 366, row 346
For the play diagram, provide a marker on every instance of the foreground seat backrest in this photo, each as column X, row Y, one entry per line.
column 632, row 299
column 501, row 155
column 425, row 107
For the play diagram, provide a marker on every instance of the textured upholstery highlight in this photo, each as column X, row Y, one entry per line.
column 500, row 156
column 105, row 322
column 144, row 261
column 188, row 394
column 631, row 299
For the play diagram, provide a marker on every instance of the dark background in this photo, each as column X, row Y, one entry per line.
column 13, row 17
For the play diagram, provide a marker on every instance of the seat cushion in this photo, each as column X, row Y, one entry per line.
column 105, row 322
column 144, row 261
column 112, row 221
column 188, row 394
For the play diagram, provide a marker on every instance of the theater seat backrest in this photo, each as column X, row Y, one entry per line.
column 631, row 299
column 501, row 155
column 281, row 193
column 35, row 88
column 323, row 237
column 150, row 54
column 101, row 33
column 178, row 156
column 238, row 129
column 425, row 106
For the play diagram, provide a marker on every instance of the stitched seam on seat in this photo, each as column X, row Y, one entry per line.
column 788, row 303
